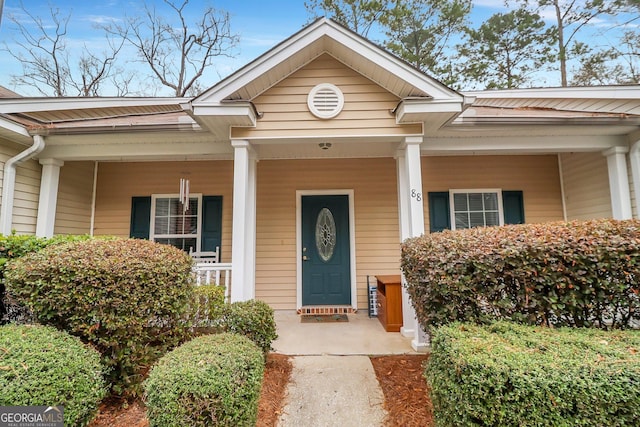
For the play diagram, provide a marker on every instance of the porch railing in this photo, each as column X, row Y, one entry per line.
column 218, row 273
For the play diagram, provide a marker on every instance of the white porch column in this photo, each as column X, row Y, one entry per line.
column 618, row 182
column 634, row 159
column 408, row 313
column 48, row 197
column 414, row 185
column 412, row 221
column 244, row 222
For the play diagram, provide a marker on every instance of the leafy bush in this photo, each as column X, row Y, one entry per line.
column 514, row 375
column 14, row 246
column 126, row 297
column 583, row 274
column 212, row 380
column 207, row 306
column 40, row 365
column 254, row 319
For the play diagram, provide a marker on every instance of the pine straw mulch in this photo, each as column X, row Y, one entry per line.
column 400, row 378
column 118, row 413
column 404, row 389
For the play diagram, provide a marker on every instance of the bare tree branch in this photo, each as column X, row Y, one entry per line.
column 45, row 57
column 178, row 55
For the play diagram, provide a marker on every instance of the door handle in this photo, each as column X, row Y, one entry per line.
column 305, row 258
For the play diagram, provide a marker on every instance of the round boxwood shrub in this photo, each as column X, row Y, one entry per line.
column 14, row 246
column 42, row 366
column 126, row 297
column 254, row 319
column 212, row 380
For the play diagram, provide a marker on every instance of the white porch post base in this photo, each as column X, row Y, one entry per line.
column 48, row 199
column 243, row 240
column 422, row 342
column 619, row 182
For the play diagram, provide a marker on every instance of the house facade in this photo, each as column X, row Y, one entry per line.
column 310, row 165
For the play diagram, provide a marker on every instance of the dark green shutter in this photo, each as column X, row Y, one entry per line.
column 140, row 217
column 211, row 223
column 513, row 206
column 439, row 215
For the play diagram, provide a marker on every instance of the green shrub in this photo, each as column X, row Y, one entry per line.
column 254, row 319
column 514, row 375
column 42, row 366
column 212, row 380
column 207, row 306
column 14, row 246
column 578, row 274
column 126, row 297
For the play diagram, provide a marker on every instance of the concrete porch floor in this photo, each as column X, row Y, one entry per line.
column 361, row 335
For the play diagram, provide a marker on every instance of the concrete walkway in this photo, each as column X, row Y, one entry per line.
column 333, row 382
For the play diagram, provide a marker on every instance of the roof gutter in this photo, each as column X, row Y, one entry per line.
column 9, row 182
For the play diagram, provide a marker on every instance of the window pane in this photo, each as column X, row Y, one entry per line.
column 475, row 202
column 193, row 207
column 460, row 202
column 190, row 225
column 476, row 219
column 491, row 201
column 462, row 220
column 175, row 225
column 162, row 225
column 181, row 243
column 162, row 207
column 492, row 218
column 175, row 207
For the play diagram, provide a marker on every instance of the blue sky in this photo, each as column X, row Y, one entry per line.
column 260, row 24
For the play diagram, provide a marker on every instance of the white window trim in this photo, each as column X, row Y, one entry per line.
column 452, row 212
column 152, row 225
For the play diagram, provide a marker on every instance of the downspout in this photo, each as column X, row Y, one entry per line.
column 562, row 193
column 9, row 182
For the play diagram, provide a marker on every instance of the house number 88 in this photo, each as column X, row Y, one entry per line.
column 416, row 195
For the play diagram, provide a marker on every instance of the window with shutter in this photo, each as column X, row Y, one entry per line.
column 459, row 209
column 163, row 219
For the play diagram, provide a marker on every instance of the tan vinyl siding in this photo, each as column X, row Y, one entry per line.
column 286, row 114
column 536, row 176
column 73, row 209
column 27, row 189
column 586, row 186
column 376, row 220
column 119, row 182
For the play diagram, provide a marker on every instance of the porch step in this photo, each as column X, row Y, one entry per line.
column 324, row 309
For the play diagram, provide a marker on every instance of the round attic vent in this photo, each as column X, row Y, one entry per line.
column 325, row 101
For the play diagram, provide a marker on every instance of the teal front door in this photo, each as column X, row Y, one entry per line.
column 326, row 258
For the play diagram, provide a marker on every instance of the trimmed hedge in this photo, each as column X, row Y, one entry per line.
column 14, row 246
column 126, row 297
column 578, row 274
column 40, row 365
column 254, row 319
column 513, row 375
column 212, row 380
column 207, row 307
